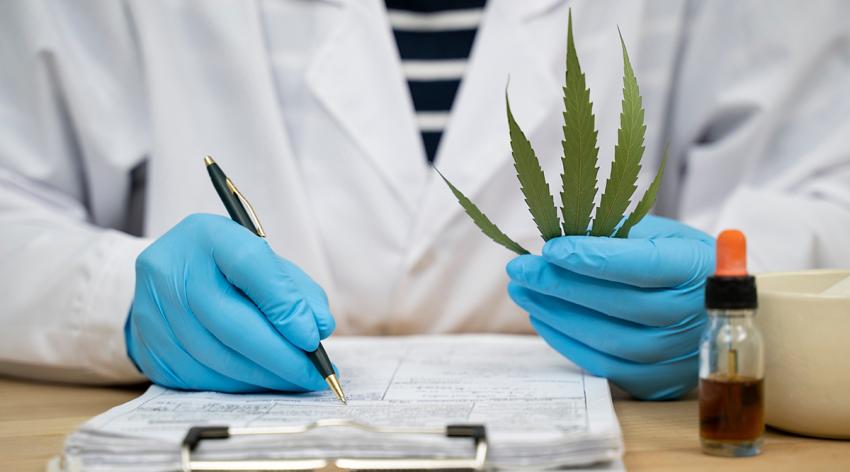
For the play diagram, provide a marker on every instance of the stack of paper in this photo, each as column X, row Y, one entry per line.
column 539, row 410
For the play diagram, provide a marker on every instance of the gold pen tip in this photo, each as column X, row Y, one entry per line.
column 333, row 383
column 208, row 160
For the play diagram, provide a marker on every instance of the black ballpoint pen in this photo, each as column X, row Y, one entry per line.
column 242, row 212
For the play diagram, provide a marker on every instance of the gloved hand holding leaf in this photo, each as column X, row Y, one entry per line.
column 627, row 309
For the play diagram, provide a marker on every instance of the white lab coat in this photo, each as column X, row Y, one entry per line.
column 304, row 105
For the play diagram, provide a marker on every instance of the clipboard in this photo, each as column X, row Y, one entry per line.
column 476, row 433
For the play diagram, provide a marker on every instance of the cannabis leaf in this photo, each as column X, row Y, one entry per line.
column 484, row 223
column 621, row 184
column 579, row 144
column 579, row 162
column 533, row 182
column 645, row 204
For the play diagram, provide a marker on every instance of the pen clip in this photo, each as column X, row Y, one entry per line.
column 248, row 207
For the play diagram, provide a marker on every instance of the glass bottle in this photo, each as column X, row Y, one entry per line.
column 731, row 373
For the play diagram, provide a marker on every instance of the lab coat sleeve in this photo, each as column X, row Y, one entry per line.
column 67, row 284
column 761, row 114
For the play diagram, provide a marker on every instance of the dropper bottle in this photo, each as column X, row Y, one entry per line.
column 731, row 371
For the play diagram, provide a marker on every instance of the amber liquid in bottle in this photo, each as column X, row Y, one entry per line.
column 731, row 408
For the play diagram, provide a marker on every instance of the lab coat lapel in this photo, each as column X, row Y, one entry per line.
column 476, row 145
column 357, row 76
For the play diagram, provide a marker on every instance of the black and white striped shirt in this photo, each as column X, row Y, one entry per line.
column 434, row 39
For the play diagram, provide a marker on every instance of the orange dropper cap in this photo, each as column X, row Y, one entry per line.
column 730, row 288
column 731, row 254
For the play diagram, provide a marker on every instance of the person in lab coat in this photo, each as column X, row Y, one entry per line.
column 117, row 263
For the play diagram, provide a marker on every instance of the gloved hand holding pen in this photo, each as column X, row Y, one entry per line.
column 216, row 309
column 629, row 309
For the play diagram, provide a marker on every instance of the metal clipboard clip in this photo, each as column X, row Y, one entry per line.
column 477, row 433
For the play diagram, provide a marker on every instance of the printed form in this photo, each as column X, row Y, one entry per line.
column 539, row 409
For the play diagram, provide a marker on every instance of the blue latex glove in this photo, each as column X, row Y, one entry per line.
column 630, row 310
column 216, row 309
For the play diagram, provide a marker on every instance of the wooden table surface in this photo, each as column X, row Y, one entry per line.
column 34, row 419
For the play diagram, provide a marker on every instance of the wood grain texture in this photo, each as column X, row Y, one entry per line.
column 659, row 436
column 664, row 436
column 35, row 417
